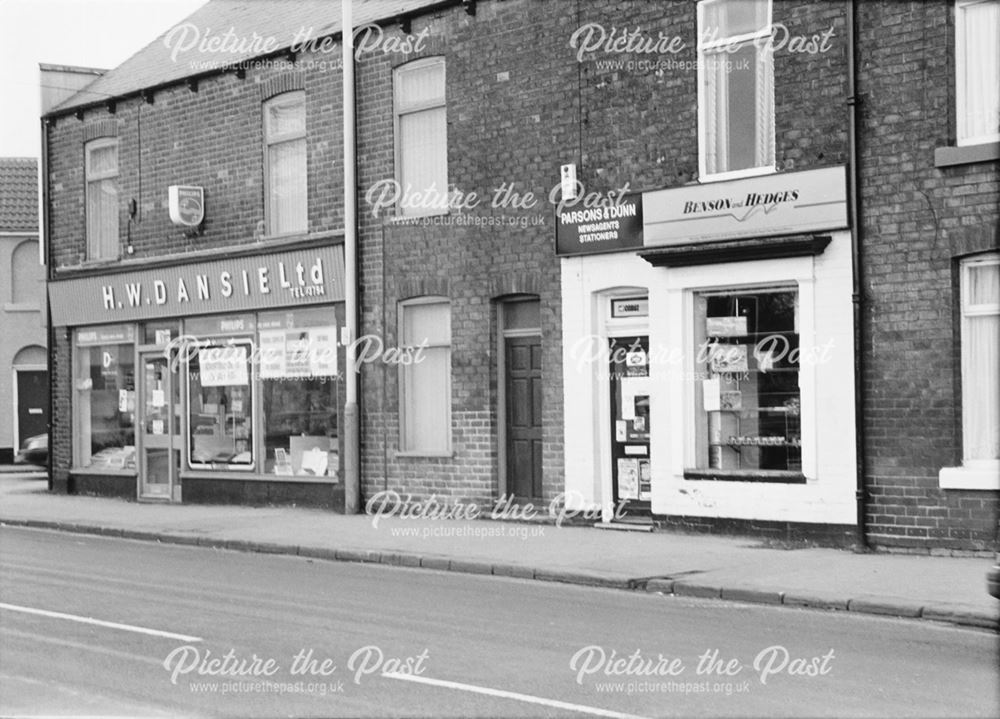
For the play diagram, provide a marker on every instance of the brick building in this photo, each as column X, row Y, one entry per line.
column 24, row 384
column 618, row 235
column 929, row 151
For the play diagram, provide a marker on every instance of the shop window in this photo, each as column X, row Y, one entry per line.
column 735, row 88
column 298, row 370
column 221, row 405
column 102, row 198
column 977, row 66
column 425, row 382
column 980, row 292
column 421, row 136
column 104, row 382
column 285, row 138
column 749, row 404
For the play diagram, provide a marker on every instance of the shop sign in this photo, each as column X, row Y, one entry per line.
column 186, row 204
column 780, row 204
column 588, row 230
column 118, row 334
column 283, row 279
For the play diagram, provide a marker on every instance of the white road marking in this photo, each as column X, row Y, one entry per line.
column 556, row 704
column 99, row 622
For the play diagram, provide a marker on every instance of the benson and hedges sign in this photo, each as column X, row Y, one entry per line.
column 282, row 279
column 779, row 204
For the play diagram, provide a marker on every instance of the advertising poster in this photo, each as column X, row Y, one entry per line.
column 223, row 366
column 628, row 478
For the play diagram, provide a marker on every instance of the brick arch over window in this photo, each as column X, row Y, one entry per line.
column 286, row 82
column 514, row 283
column 102, row 128
column 424, row 287
column 24, row 273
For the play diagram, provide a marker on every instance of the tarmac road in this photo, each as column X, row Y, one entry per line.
column 93, row 625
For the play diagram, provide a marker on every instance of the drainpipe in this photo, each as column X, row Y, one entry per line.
column 352, row 479
column 45, row 259
column 854, row 199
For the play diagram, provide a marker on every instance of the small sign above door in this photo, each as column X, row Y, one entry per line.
column 630, row 307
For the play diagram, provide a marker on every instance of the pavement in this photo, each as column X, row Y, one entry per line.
column 742, row 569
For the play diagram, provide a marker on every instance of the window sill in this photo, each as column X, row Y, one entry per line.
column 99, row 471
column 737, row 174
column 985, row 477
column 773, row 476
column 966, row 154
column 253, row 477
column 426, row 455
column 20, row 307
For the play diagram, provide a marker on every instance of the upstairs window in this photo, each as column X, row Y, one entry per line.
column 421, row 137
column 102, row 198
column 735, row 88
column 285, row 140
column 977, row 65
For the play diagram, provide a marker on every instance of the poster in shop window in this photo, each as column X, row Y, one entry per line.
column 223, row 366
column 628, row 478
column 302, row 352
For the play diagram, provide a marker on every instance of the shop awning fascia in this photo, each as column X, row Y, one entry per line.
column 756, row 248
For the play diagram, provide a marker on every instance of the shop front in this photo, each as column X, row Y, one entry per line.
column 216, row 381
column 709, row 358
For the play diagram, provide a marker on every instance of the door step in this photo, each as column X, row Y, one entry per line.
column 626, row 526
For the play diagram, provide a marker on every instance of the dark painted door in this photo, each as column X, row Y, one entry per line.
column 32, row 403
column 524, row 416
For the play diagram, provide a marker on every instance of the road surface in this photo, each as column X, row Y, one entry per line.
column 100, row 626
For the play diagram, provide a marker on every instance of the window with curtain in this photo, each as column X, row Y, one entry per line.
column 102, row 198
column 285, row 138
column 425, row 382
column 735, row 87
column 421, row 136
column 977, row 65
column 980, row 278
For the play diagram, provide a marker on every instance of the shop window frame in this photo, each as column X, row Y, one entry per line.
column 795, row 276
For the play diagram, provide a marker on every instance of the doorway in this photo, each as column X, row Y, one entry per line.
column 159, row 429
column 32, row 404
column 521, row 401
column 629, row 386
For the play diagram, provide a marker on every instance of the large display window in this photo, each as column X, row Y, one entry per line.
column 298, row 372
column 221, row 403
column 104, row 393
column 748, row 361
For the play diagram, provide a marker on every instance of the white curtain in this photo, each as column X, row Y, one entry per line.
column 981, row 363
column 285, row 128
column 979, row 43
column 287, row 175
column 425, row 405
column 422, row 141
column 102, row 201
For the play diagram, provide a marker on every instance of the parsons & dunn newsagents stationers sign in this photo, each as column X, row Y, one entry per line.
column 282, row 279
